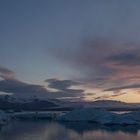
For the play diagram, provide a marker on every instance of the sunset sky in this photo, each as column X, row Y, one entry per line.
column 70, row 49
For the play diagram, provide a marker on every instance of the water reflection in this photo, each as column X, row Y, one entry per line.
column 42, row 130
column 83, row 127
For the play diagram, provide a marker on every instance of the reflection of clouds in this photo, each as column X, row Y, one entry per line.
column 67, row 131
column 98, row 135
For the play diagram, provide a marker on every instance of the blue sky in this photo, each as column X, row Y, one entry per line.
column 93, row 42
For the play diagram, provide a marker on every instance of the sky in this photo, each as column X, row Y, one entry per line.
column 70, row 49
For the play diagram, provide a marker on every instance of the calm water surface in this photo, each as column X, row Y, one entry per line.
column 45, row 130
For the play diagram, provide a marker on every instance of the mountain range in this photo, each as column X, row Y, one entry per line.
column 9, row 102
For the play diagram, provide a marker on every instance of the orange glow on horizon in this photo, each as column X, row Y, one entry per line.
column 130, row 96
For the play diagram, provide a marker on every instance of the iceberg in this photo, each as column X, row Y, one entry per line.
column 35, row 115
column 100, row 116
column 135, row 115
column 124, row 119
column 4, row 118
column 87, row 114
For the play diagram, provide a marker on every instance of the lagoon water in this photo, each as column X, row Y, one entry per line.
column 49, row 130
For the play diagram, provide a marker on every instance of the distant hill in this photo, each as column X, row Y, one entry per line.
column 36, row 104
column 108, row 103
column 95, row 103
column 113, row 105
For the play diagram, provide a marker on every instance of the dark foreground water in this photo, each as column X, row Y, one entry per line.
column 45, row 130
